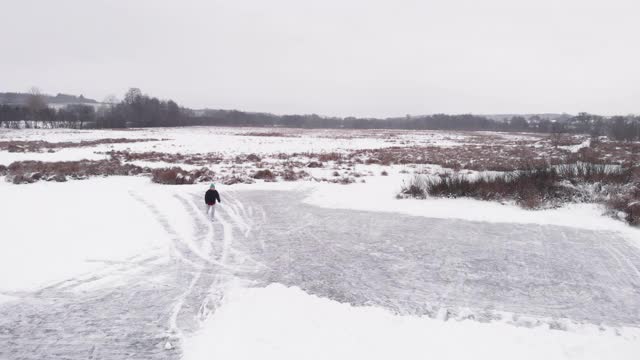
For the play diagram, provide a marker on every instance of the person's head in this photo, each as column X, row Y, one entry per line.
column 212, row 186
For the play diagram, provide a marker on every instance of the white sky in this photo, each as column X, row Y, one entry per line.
column 332, row 57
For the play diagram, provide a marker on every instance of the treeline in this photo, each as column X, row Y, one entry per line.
column 441, row 121
column 13, row 98
column 135, row 110
column 617, row 127
column 140, row 110
column 623, row 128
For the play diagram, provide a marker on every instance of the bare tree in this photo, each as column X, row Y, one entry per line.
column 110, row 100
column 557, row 134
column 35, row 101
column 132, row 95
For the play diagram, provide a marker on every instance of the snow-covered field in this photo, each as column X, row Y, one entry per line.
column 119, row 267
column 50, row 233
column 277, row 322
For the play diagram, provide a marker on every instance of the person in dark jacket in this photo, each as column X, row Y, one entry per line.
column 210, row 198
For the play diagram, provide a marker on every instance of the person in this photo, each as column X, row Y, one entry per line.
column 210, row 198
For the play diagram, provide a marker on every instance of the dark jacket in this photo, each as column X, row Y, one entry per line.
column 211, row 196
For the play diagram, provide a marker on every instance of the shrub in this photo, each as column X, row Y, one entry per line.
column 527, row 188
column 24, row 172
column 333, row 156
column 384, row 173
column 191, row 159
column 12, row 148
column 59, row 178
column 533, row 188
column 20, row 172
column 290, row 175
column 179, row 176
column 266, row 134
column 416, row 188
column 39, row 145
column 588, row 172
column 19, row 179
column 170, row 176
column 237, row 180
column 633, row 213
column 253, row 157
column 265, row 174
column 202, row 175
column 386, row 159
column 627, row 203
column 345, row 180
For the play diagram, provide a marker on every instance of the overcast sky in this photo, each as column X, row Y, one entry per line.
column 332, row 57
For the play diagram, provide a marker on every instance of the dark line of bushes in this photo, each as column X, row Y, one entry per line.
column 549, row 186
column 27, row 172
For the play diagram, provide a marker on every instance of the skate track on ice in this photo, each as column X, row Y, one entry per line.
column 409, row 265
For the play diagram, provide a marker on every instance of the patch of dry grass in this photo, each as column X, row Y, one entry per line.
column 266, row 175
column 21, row 172
column 266, row 134
column 177, row 158
column 550, row 186
column 178, row 176
column 38, row 146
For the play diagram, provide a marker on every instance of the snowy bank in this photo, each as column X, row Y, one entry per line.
column 6, row 298
column 286, row 323
column 55, row 231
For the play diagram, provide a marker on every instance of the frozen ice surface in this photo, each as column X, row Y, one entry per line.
column 406, row 264
column 416, row 265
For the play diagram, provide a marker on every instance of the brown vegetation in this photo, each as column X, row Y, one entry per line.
column 266, row 134
column 248, row 158
column 332, row 156
column 472, row 157
column 609, row 152
column 234, row 179
column 38, row 146
column 178, row 176
column 617, row 187
column 21, row 172
column 26, row 172
column 291, row 175
column 265, row 175
column 190, row 159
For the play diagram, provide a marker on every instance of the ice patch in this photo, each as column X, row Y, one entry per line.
column 379, row 194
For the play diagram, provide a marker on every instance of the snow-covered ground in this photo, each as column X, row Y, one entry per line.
column 233, row 141
column 52, row 233
column 229, row 141
column 120, row 267
column 277, row 322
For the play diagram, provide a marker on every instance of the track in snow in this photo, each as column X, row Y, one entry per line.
column 155, row 300
column 416, row 265
column 410, row 265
